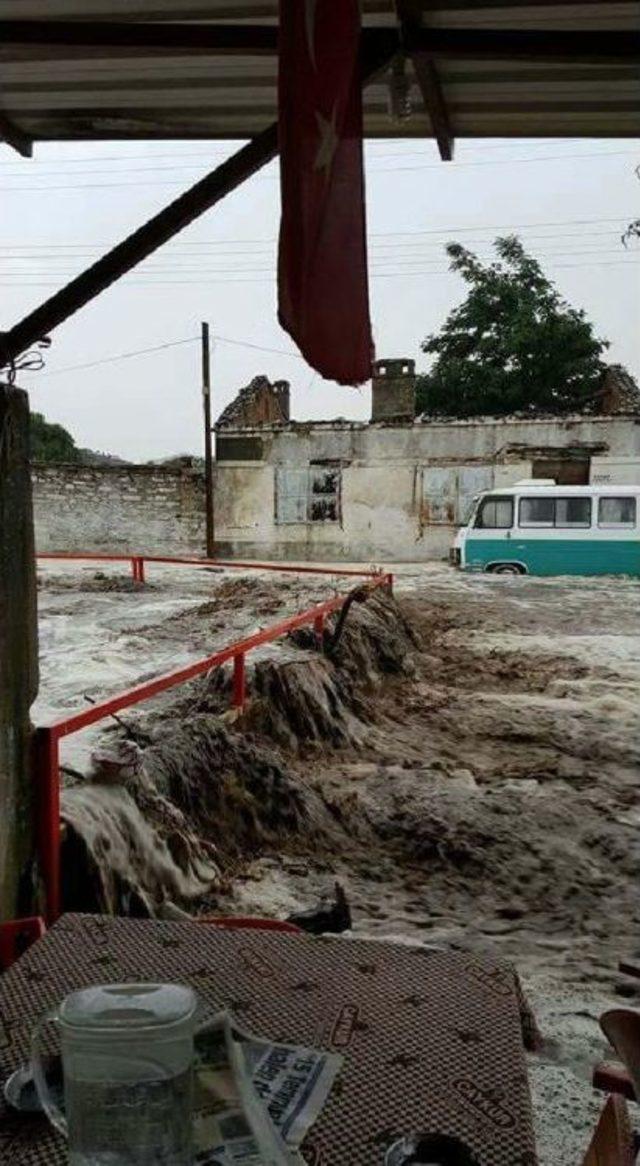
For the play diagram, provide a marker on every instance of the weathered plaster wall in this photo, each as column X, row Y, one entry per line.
column 158, row 509
column 390, row 481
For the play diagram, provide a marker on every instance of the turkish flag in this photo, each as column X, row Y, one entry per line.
column 323, row 294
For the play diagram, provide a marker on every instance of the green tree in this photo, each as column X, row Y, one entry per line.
column 513, row 345
column 51, row 443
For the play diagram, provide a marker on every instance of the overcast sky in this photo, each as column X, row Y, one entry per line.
column 568, row 200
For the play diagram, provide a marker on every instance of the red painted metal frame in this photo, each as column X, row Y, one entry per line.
column 138, row 562
column 47, row 738
column 16, row 936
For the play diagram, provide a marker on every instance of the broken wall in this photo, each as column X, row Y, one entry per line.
column 400, row 490
column 157, row 509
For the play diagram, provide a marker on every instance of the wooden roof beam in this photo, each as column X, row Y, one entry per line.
column 410, row 13
column 250, row 40
column 12, row 136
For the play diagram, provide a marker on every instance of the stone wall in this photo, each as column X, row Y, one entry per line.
column 157, row 509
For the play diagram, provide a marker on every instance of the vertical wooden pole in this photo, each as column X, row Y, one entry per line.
column 46, row 772
column 208, row 453
column 18, row 658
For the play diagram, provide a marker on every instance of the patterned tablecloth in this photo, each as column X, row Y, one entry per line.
column 431, row 1039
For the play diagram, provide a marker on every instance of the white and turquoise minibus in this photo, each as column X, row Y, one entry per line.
column 539, row 528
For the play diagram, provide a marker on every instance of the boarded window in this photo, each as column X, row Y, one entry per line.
column 449, row 492
column 311, row 494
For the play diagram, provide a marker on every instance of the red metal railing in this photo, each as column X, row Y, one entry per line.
column 47, row 738
column 138, row 561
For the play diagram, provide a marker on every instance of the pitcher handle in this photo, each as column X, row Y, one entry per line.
column 53, row 1112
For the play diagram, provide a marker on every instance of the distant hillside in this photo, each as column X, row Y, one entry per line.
column 53, row 443
column 93, row 457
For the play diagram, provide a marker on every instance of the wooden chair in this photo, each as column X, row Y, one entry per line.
column 248, row 923
column 16, row 936
column 612, row 1143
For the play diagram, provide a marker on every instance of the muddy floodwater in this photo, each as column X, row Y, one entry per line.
column 464, row 762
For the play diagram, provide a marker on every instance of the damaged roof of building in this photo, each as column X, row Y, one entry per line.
column 94, row 69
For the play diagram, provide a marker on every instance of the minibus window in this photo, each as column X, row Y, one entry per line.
column 574, row 512
column 617, row 511
column 536, row 511
column 495, row 514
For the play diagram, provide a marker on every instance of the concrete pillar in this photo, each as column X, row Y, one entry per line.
column 18, row 656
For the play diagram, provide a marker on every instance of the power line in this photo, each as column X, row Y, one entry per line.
column 259, row 347
column 268, row 276
column 405, row 262
column 203, row 158
column 159, row 348
column 458, row 230
column 120, row 356
column 205, row 155
column 377, row 249
column 274, row 177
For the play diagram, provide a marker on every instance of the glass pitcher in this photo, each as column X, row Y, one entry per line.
column 127, row 1057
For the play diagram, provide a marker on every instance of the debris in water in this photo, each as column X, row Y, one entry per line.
column 330, row 917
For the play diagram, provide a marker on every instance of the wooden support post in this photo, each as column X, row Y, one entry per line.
column 46, row 782
column 18, row 658
column 140, row 244
column 208, row 452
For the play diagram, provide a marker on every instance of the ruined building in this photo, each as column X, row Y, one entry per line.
column 396, row 487
column 391, row 488
column 258, row 403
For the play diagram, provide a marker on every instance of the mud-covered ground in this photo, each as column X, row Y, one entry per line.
column 465, row 763
column 101, row 633
column 501, row 782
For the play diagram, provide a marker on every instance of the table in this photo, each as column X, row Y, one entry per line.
column 431, row 1039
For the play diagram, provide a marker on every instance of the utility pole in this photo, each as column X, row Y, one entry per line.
column 208, row 454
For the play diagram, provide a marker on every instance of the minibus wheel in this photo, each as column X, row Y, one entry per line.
column 506, row 569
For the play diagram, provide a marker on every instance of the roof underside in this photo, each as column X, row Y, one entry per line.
column 69, row 91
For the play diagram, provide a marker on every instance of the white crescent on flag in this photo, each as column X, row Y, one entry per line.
column 328, row 143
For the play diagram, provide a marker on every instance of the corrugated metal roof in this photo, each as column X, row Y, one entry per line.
column 61, row 92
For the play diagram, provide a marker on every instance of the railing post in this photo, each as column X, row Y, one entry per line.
column 137, row 568
column 318, row 627
column 46, row 773
column 239, row 685
column 389, row 583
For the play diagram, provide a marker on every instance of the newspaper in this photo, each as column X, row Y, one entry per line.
column 254, row 1100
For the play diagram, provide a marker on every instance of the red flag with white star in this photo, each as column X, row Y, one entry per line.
column 323, row 294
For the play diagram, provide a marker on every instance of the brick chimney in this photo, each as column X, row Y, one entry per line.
column 393, row 390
